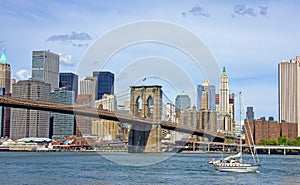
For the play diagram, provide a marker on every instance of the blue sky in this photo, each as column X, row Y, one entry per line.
column 250, row 38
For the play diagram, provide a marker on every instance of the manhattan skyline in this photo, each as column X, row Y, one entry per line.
column 248, row 38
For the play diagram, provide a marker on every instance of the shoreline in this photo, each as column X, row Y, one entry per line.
column 122, row 151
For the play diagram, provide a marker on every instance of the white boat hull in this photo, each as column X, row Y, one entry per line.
column 240, row 168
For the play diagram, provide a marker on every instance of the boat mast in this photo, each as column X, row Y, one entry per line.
column 241, row 143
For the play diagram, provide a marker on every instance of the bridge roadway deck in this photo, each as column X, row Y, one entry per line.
column 103, row 114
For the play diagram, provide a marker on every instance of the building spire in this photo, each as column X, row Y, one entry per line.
column 3, row 58
column 224, row 72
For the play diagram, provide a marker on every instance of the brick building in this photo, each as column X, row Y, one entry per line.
column 269, row 130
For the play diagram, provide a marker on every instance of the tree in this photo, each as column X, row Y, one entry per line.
column 272, row 142
column 282, row 140
column 262, row 142
column 297, row 141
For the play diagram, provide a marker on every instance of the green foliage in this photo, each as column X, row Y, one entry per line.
column 272, row 142
column 282, row 140
column 263, row 142
column 228, row 141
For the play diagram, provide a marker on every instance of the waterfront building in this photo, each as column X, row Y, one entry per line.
column 105, row 128
column 26, row 122
column 62, row 125
column 105, row 83
column 83, row 124
column 289, row 91
column 206, row 96
column 107, row 102
column 182, row 102
column 170, row 112
column 262, row 129
column 89, row 86
column 70, row 81
column 45, row 68
column 250, row 114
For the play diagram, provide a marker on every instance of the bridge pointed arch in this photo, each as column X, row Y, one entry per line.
column 149, row 107
column 138, row 106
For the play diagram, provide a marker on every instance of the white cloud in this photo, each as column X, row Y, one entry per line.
column 23, row 74
column 66, row 60
column 70, row 37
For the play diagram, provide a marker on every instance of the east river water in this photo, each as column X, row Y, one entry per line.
column 123, row 168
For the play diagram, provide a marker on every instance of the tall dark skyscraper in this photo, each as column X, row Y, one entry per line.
column 63, row 124
column 70, row 81
column 250, row 114
column 105, row 83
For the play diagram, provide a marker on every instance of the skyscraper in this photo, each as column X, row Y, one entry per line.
column 5, row 76
column 289, row 91
column 45, row 68
column 182, row 102
column 250, row 114
column 105, row 84
column 89, row 86
column 5, row 86
column 25, row 122
column 63, row 124
column 224, row 93
column 2, row 92
column 70, row 81
column 208, row 91
column 225, row 104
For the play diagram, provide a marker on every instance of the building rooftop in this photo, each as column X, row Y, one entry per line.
column 3, row 58
column 35, row 140
column 224, row 72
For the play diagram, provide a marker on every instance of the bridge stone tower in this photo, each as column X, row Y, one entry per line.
column 146, row 102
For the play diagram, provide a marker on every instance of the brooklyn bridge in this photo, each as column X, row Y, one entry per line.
column 143, row 128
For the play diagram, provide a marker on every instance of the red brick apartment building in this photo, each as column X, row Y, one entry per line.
column 262, row 129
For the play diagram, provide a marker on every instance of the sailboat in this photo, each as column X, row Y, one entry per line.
column 235, row 163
